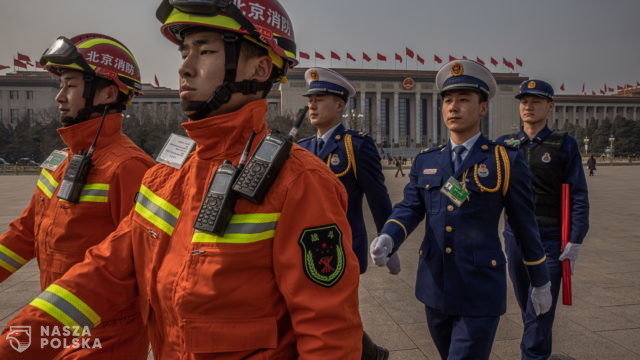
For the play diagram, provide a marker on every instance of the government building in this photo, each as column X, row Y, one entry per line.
column 398, row 108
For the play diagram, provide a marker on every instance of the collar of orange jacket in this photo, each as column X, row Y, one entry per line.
column 79, row 137
column 224, row 136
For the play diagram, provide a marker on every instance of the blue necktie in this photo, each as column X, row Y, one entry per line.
column 319, row 145
column 457, row 162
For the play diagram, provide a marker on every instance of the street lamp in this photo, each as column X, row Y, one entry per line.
column 611, row 140
column 586, row 145
column 350, row 116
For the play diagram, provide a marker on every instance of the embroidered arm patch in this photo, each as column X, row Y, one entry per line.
column 323, row 255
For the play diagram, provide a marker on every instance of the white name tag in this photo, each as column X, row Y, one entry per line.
column 54, row 160
column 175, row 151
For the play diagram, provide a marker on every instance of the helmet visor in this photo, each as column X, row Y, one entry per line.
column 64, row 52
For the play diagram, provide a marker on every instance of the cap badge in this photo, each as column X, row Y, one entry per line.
column 457, row 69
column 531, row 85
column 483, row 171
column 314, row 75
column 335, row 160
column 546, row 158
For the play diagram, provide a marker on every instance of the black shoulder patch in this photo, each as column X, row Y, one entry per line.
column 323, row 256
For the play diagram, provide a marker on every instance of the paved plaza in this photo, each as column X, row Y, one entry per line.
column 603, row 324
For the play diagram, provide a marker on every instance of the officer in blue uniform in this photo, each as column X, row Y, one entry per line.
column 553, row 158
column 462, row 188
column 353, row 157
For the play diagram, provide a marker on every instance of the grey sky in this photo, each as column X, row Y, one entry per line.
column 570, row 41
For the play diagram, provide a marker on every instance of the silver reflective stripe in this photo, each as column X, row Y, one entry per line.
column 4, row 257
column 94, row 192
column 43, row 179
column 66, row 307
column 156, row 210
column 250, row 228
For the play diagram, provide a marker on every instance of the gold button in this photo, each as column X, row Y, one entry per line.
column 494, row 263
column 426, row 186
column 450, row 207
column 419, row 252
column 448, row 229
column 448, row 250
column 484, row 147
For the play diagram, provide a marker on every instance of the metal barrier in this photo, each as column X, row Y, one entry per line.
column 19, row 169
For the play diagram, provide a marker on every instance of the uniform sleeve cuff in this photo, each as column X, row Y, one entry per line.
column 396, row 230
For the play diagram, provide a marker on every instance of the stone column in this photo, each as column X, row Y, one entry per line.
column 378, row 112
column 396, row 117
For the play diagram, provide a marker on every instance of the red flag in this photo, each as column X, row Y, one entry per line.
column 28, row 63
column 464, row 57
column 398, row 57
column 319, row 56
column 562, row 87
column 365, row 57
column 381, row 57
column 437, row 59
column 508, row 64
column 155, row 80
column 420, row 59
column 19, row 63
column 593, row 92
column 451, row 58
column 620, row 88
column 304, row 55
column 409, row 52
column 350, row 57
column 334, row 55
column 602, row 92
column 23, row 57
column 2, row 67
column 479, row 61
column 610, row 89
column 494, row 62
column 519, row 62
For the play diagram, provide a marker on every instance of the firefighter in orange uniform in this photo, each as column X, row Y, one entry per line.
column 282, row 281
column 57, row 227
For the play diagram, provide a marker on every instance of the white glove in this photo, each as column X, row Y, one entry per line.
column 393, row 264
column 571, row 251
column 380, row 249
column 541, row 298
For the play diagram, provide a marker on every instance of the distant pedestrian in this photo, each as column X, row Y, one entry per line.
column 399, row 167
column 591, row 165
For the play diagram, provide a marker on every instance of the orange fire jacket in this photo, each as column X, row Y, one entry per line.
column 58, row 233
column 282, row 283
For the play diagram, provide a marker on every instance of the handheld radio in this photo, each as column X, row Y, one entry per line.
column 258, row 176
column 76, row 174
column 217, row 208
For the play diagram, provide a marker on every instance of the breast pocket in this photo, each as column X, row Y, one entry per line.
column 433, row 198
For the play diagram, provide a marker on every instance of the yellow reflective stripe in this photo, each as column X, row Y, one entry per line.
column 49, row 177
column 96, row 187
column 200, row 237
column 91, row 198
column 165, row 205
column 7, row 267
column 85, row 309
column 221, row 21
column 44, row 189
column 254, row 218
column 538, row 262
column 54, row 312
column 10, row 253
column 401, row 225
column 154, row 219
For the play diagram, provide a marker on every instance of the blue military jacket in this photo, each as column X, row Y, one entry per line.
column 353, row 157
column 462, row 265
column 573, row 175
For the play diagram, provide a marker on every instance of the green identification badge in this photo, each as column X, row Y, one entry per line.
column 323, row 256
column 54, row 160
column 454, row 191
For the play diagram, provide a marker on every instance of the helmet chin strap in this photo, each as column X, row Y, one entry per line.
column 222, row 94
column 89, row 94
